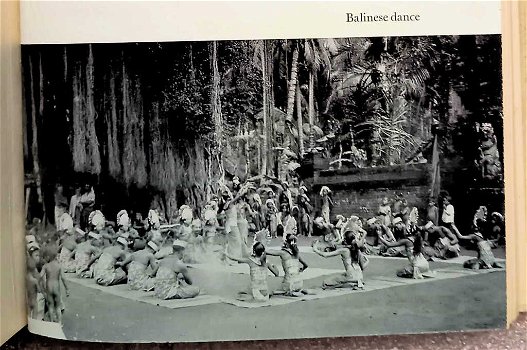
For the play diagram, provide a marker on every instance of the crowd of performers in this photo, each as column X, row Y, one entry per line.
column 235, row 226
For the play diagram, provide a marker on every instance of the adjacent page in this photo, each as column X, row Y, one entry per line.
column 240, row 171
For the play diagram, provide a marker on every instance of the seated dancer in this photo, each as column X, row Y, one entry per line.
column 259, row 290
column 445, row 244
column 485, row 259
column 351, row 258
column 67, row 247
column 378, row 248
column 271, row 213
column 98, row 223
column 419, row 267
column 293, row 265
column 105, row 271
column 154, row 228
column 138, row 262
column 187, row 232
column 125, row 228
column 53, row 277
column 304, row 220
column 172, row 279
column 331, row 236
column 84, row 252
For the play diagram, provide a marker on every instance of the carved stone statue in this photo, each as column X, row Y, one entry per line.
column 489, row 163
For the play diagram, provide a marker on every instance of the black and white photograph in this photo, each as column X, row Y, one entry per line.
column 225, row 190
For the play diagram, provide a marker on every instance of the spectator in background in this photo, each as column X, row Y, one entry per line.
column 74, row 201
column 448, row 216
column 60, row 200
column 397, row 205
column 86, row 204
column 432, row 212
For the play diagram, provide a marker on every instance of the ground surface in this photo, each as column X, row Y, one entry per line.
column 468, row 302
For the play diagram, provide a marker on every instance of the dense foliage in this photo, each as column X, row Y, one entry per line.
column 176, row 118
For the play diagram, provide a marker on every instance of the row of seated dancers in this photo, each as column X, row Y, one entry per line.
column 158, row 263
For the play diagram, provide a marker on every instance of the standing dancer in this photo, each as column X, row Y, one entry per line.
column 351, row 258
column 259, row 290
column 234, row 246
column 293, row 265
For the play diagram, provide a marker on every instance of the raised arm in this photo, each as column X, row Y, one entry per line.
column 274, row 252
column 240, row 260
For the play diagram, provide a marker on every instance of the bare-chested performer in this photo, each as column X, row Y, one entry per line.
column 125, row 228
column 105, row 271
column 53, row 276
column 172, row 279
column 259, row 289
column 98, row 223
column 66, row 248
column 444, row 244
column 293, row 265
column 351, row 258
column 84, row 252
column 138, row 263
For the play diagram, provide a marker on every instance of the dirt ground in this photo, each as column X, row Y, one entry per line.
column 470, row 302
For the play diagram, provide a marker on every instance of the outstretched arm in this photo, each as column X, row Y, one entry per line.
column 327, row 254
column 240, row 260
column 401, row 242
column 274, row 252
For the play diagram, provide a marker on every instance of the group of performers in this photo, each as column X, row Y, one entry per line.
column 234, row 227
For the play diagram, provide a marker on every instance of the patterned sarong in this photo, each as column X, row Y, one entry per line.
column 105, row 273
column 168, row 286
column 138, row 279
column 68, row 264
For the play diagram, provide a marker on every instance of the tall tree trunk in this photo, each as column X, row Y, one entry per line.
column 292, row 86
column 34, row 138
column 267, row 111
column 216, row 105
column 311, row 110
column 299, row 122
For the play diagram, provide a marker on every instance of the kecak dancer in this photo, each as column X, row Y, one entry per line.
column 154, row 227
column 445, row 244
column 98, row 223
column 259, row 289
column 351, row 258
column 84, row 252
column 293, row 265
column 138, row 263
column 105, row 270
column 67, row 248
column 126, row 230
column 168, row 284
